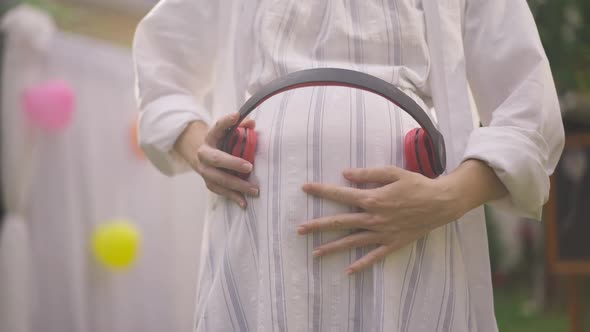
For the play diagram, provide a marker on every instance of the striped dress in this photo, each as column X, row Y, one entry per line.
column 256, row 273
column 200, row 59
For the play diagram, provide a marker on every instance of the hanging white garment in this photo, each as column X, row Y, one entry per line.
column 197, row 60
column 28, row 35
column 78, row 178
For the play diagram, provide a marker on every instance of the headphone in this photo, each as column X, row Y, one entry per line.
column 424, row 147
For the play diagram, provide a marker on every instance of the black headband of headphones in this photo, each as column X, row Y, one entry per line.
column 352, row 79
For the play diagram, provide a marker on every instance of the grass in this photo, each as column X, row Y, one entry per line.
column 511, row 315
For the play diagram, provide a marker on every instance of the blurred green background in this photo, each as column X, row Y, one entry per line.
column 564, row 29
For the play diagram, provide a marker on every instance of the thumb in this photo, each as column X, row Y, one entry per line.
column 374, row 175
column 220, row 128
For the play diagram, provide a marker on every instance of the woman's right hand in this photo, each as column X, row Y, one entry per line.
column 198, row 146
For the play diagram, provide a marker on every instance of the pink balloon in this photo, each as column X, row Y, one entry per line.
column 49, row 105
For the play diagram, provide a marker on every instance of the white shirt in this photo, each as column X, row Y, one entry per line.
column 199, row 59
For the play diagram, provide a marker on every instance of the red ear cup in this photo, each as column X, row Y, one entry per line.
column 410, row 151
column 242, row 144
column 235, row 142
column 425, row 154
column 419, row 153
column 250, row 148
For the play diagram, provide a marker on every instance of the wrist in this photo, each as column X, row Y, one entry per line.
column 471, row 185
column 455, row 196
column 190, row 140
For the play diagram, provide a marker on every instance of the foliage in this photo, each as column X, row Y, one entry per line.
column 565, row 32
column 49, row 6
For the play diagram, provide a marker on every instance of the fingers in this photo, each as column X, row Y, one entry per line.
column 248, row 123
column 389, row 244
column 371, row 258
column 231, row 194
column 219, row 159
column 356, row 240
column 220, row 128
column 345, row 195
column 374, row 175
column 228, row 181
column 337, row 222
column 212, row 162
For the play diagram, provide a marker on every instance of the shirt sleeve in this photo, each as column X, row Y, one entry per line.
column 175, row 52
column 513, row 88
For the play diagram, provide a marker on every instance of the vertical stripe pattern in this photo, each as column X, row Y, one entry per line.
column 258, row 274
column 357, row 58
column 275, row 213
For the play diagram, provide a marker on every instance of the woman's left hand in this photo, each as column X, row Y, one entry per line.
column 405, row 207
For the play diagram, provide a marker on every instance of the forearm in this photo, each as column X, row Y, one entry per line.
column 472, row 184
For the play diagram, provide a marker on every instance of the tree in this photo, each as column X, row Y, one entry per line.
column 565, row 33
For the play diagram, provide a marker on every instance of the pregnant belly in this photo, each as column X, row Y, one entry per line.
column 309, row 134
column 304, row 135
column 313, row 134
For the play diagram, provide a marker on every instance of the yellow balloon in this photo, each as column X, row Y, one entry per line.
column 116, row 243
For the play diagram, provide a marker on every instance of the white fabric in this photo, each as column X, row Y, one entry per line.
column 15, row 268
column 227, row 49
column 29, row 31
column 524, row 136
column 81, row 177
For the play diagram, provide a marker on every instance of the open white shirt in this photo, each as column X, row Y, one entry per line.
column 198, row 60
